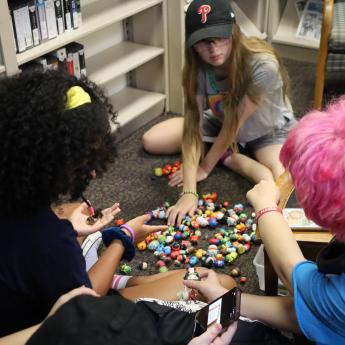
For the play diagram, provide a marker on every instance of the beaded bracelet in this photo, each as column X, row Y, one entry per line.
column 266, row 210
column 130, row 230
column 190, row 192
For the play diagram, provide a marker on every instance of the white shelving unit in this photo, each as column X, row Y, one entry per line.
column 283, row 22
column 126, row 53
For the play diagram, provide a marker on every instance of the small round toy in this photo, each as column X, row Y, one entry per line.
column 143, row 266
column 243, row 280
column 235, row 272
column 125, row 269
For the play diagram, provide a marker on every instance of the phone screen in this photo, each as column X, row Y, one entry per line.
column 223, row 310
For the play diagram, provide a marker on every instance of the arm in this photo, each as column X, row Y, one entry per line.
column 21, row 337
column 275, row 233
column 101, row 274
column 277, row 312
column 246, row 108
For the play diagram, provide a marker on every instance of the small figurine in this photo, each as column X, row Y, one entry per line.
column 125, row 269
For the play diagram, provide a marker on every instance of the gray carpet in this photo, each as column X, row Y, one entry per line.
column 129, row 180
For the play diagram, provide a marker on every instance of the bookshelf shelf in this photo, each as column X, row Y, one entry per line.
column 96, row 16
column 247, row 26
column 131, row 102
column 119, row 59
column 287, row 27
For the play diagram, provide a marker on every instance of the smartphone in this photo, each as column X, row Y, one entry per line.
column 223, row 310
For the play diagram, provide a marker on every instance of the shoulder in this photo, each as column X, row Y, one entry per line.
column 319, row 302
column 265, row 73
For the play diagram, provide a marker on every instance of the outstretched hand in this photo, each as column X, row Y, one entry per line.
column 79, row 217
column 141, row 229
column 187, row 204
column 213, row 337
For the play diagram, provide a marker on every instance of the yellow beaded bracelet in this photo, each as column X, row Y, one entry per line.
column 190, row 192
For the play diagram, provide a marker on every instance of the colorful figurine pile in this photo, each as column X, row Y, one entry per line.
column 228, row 231
column 168, row 169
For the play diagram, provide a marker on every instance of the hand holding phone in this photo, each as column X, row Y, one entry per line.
column 223, row 310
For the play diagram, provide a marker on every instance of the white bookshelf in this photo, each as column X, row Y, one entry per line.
column 119, row 59
column 245, row 22
column 133, row 106
column 125, row 49
column 287, row 28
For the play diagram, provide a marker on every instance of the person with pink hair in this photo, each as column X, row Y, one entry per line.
column 313, row 153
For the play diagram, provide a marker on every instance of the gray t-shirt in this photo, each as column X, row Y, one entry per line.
column 267, row 81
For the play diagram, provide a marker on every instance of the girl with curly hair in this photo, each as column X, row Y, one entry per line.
column 54, row 136
column 235, row 91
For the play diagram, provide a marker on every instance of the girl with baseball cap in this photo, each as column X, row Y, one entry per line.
column 236, row 100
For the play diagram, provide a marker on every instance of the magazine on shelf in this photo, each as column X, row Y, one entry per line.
column 299, row 5
column 309, row 27
column 297, row 219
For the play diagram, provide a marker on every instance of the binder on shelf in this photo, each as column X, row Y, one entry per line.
column 21, row 23
column 51, row 18
column 42, row 20
column 78, row 11
column 59, row 16
column 34, row 23
column 67, row 14
column 74, row 14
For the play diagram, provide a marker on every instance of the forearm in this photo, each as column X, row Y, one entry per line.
column 277, row 312
column 218, row 148
column 280, row 244
column 101, row 274
column 19, row 338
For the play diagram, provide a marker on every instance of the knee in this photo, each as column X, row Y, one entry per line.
column 149, row 142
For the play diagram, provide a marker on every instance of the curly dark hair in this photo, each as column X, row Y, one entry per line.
column 45, row 150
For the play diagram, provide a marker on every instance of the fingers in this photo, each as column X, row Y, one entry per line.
column 227, row 336
column 176, row 179
column 154, row 228
column 211, row 333
column 193, row 284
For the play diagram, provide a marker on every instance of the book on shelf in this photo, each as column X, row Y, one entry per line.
column 74, row 14
column 34, row 22
column 19, row 11
column 76, row 59
column 297, row 220
column 51, row 18
column 61, row 56
column 67, row 14
column 59, row 16
column 42, row 19
column 52, row 62
column 309, row 27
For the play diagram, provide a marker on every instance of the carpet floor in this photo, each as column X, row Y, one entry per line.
column 130, row 179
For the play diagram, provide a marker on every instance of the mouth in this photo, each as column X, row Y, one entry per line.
column 215, row 58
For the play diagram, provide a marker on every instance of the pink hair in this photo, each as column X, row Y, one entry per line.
column 314, row 153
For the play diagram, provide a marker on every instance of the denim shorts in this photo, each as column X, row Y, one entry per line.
column 211, row 127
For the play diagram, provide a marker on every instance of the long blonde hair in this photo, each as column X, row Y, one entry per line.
column 239, row 85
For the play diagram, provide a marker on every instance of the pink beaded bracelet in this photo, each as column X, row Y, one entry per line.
column 130, row 230
column 267, row 209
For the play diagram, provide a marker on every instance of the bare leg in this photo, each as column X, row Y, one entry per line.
column 249, row 168
column 269, row 157
column 167, row 287
column 165, row 137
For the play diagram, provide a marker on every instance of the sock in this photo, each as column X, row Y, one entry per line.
column 119, row 281
column 90, row 248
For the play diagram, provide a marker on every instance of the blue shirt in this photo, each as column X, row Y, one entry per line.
column 41, row 259
column 319, row 304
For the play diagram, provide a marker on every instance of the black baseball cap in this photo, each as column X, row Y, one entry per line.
column 208, row 18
